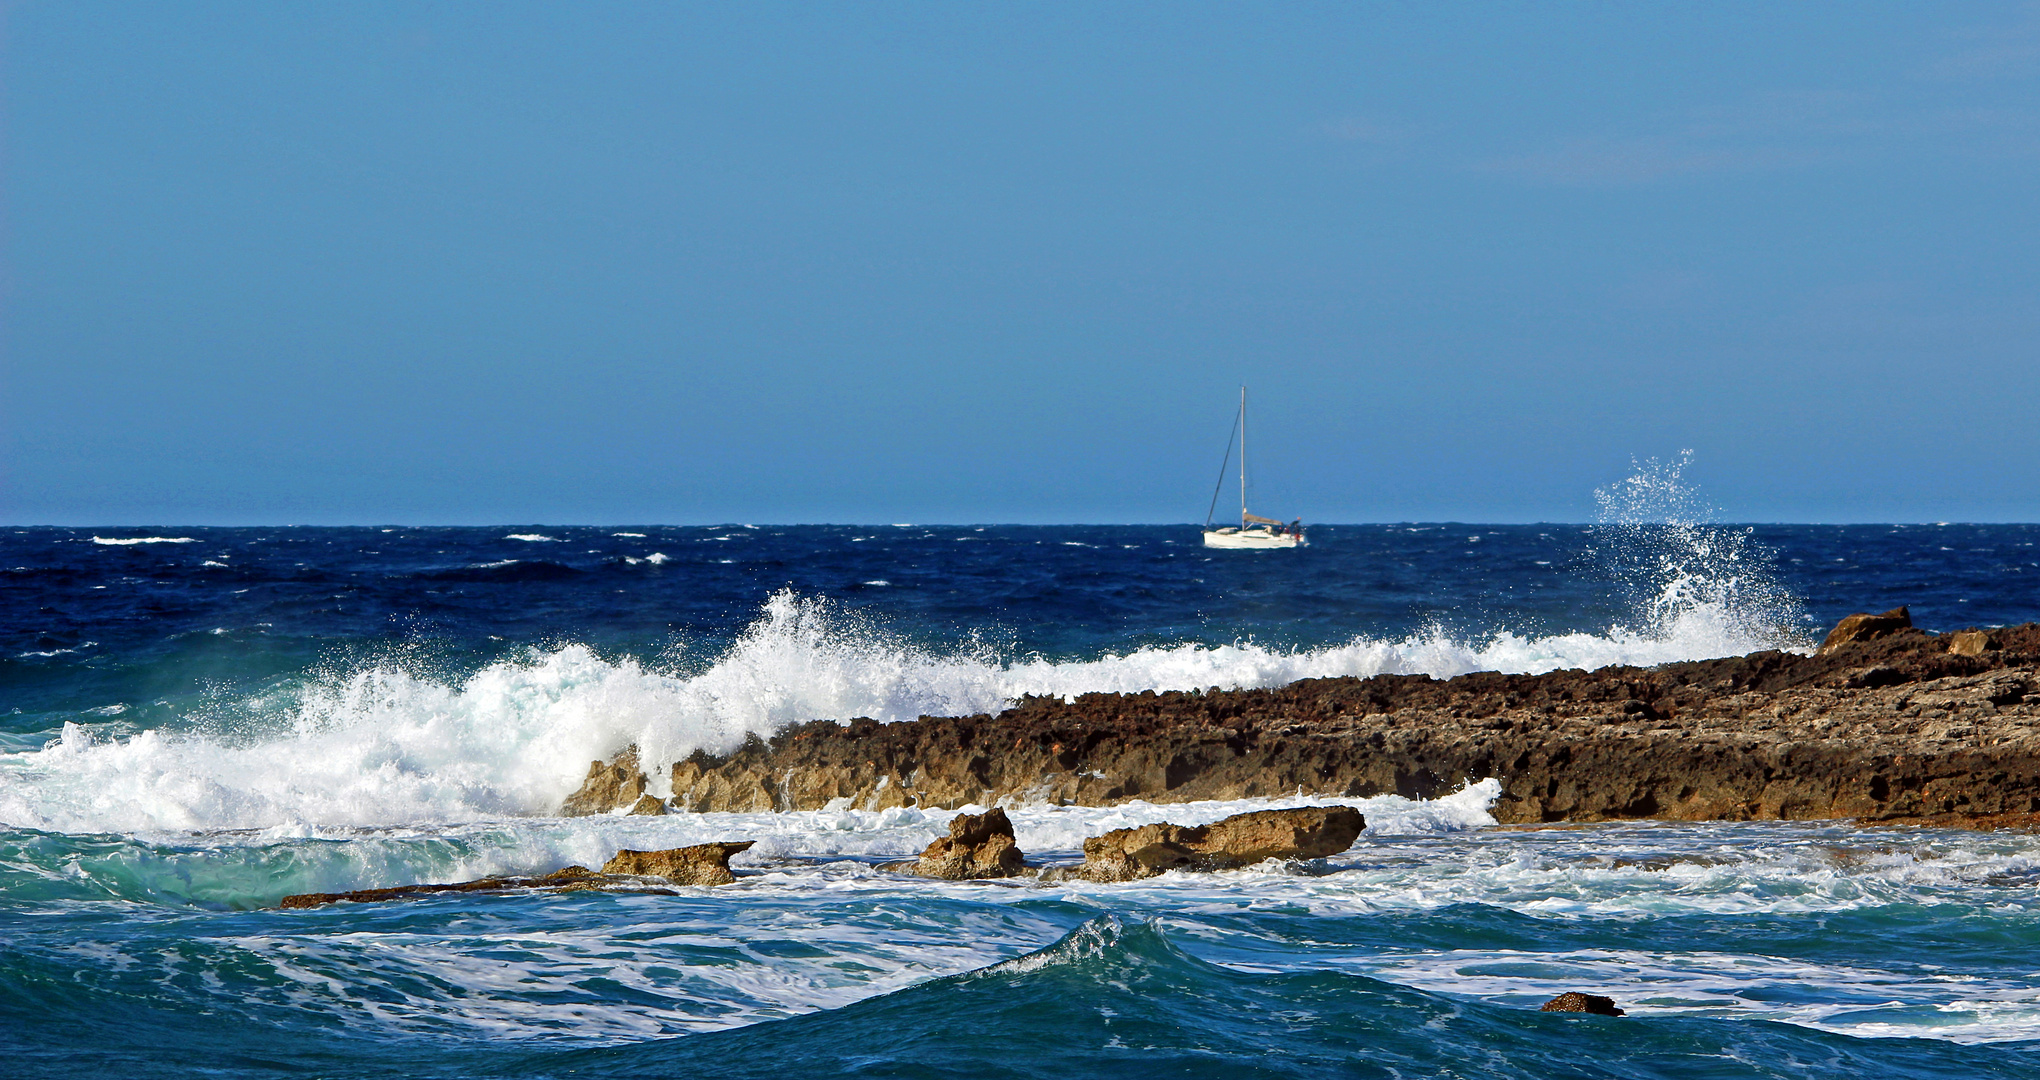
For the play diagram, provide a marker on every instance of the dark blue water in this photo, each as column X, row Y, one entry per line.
column 194, row 729
column 85, row 624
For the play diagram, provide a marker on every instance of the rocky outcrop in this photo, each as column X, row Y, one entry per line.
column 648, row 806
column 1310, row 832
column 610, row 785
column 978, row 846
column 1865, row 628
column 1898, row 727
column 698, row 864
column 1582, row 1003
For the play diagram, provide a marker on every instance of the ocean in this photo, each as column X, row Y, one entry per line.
column 197, row 722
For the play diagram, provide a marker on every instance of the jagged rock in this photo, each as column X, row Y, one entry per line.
column 698, row 864
column 648, row 806
column 1865, row 627
column 1968, row 643
column 610, row 784
column 1888, row 729
column 570, row 879
column 1582, row 1003
column 978, row 846
column 1311, row 832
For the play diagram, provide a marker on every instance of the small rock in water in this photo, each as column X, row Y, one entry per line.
column 697, row 864
column 1583, row 1003
column 1309, row 832
column 1862, row 627
column 648, row 806
column 978, row 846
column 570, row 879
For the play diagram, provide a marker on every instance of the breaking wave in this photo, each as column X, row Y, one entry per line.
column 383, row 743
column 387, row 745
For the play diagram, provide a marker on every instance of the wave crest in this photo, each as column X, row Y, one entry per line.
column 385, row 745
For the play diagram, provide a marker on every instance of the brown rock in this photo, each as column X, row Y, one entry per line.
column 1968, row 642
column 610, row 784
column 978, row 846
column 1582, row 1003
column 648, row 806
column 570, row 879
column 1310, row 832
column 699, row 864
column 1894, row 728
column 1865, row 627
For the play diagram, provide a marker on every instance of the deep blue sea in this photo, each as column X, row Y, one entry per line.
column 196, row 722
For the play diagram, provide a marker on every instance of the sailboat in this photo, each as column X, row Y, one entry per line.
column 1254, row 531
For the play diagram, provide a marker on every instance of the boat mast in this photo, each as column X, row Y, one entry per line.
column 1243, row 457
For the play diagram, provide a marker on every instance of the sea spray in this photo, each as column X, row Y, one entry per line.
column 389, row 742
column 407, row 706
column 1712, row 588
column 394, row 734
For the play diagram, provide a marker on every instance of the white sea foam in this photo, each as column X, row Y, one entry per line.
column 533, row 538
column 129, row 541
column 1860, row 1000
column 385, row 744
column 811, row 925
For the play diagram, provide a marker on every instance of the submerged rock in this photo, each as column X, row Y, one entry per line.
column 1865, row 627
column 701, row 864
column 978, row 846
column 570, row 879
column 1311, row 832
column 697, row 864
column 1582, row 1003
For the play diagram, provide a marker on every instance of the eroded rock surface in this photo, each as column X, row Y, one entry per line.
column 696, row 864
column 1969, row 643
column 610, row 784
column 1866, row 627
column 1892, row 728
column 1311, row 832
column 978, row 846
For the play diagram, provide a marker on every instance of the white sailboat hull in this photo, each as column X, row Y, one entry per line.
column 1255, row 533
column 1251, row 538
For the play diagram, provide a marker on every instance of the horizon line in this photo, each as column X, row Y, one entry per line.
column 959, row 524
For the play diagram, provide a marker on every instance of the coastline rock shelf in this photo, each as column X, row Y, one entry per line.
column 1885, row 723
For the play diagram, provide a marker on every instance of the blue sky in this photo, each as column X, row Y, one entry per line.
column 464, row 263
